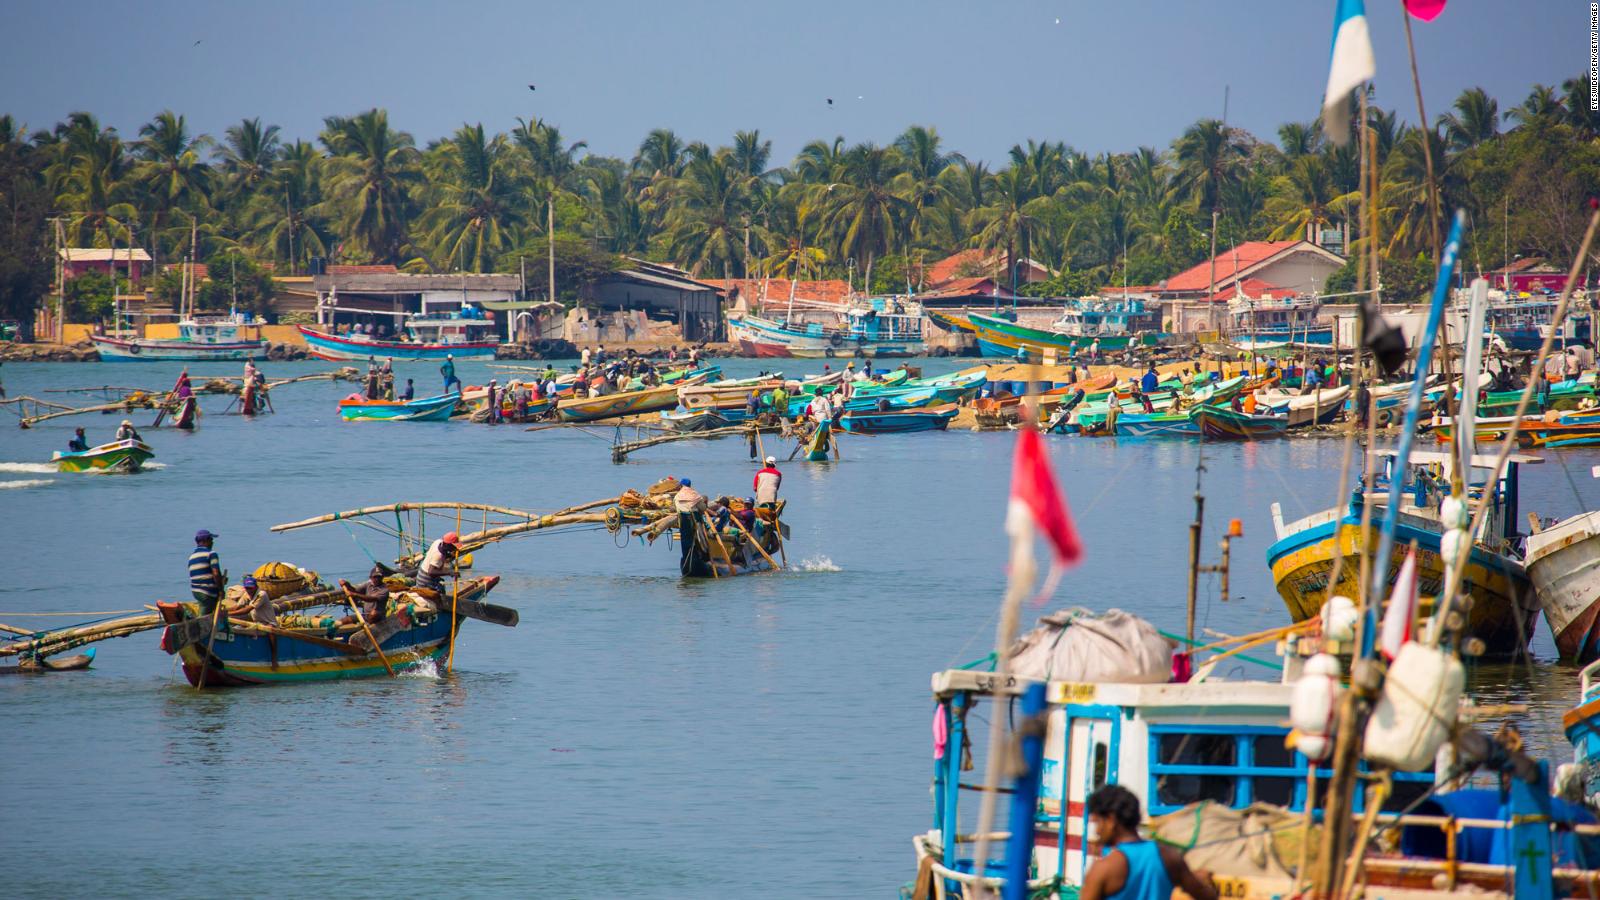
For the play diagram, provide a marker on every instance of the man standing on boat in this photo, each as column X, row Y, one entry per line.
column 206, row 579
column 1132, row 868
column 448, row 370
column 437, row 563
column 767, row 482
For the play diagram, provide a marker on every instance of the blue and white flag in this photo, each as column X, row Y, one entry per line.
column 1349, row 64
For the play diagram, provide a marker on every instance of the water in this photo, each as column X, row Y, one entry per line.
column 638, row 734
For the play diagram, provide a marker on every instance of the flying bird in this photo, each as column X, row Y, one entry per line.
column 830, row 101
column 531, row 87
column 197, row 43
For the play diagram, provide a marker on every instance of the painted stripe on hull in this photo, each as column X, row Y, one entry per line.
column 112, row 350
column 326, row 346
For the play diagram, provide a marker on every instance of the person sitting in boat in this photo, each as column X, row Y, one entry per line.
column 687, row 499
column 1144, row 401
column 79, row 442
column 1130, row 867
column 411, row 391
column 883, row 404
column 437, row 563
column 372, row 594
column 126, row 432
column 1151, row 380
column 746, row 515
column 1237, row 405
column 250, row 601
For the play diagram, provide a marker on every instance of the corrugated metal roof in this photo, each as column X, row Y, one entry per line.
column 102, row 254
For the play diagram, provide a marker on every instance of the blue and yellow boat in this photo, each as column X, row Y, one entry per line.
column 1504, row 608
column 314, row 648
column 427, row 409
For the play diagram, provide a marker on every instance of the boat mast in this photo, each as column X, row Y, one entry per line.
column 1194, row 548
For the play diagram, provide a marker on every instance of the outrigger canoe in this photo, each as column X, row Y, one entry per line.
column 902, row 421
column 428, row 409
column 117, row 456
column 610, row 406
column 312, row 648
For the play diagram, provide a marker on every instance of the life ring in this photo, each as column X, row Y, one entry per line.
column 135, row 349
column 835, row 339
column 542, row 346
column 1383, row 418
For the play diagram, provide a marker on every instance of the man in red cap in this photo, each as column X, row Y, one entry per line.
column 437, row 563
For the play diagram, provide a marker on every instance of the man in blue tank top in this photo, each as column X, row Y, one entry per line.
column 1133, row 868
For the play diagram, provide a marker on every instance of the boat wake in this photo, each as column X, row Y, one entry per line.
column 818, row 564
column 26, row 483
column 27, row 467
column 428, row 668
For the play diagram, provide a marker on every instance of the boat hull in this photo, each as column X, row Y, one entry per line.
column 765, row 339
column 1503, row 611
column 906, row 422
column 1007, row 340
column 1156, row 425
column 611, row 406
column 1218, row 424
column 430, row 409
column 1564, row 564
column 119, row 456
column 142, row 350
column 332, row 347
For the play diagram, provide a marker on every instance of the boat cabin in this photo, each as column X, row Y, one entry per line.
column 1092, row 318
column 1426, row 482
column 1172, row 745
column 1294, row 318
column 882, row 319
column 466, row 325
column 219, row 329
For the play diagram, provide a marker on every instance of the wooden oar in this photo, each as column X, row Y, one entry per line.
column 749, row 537
column 355, row 609
column 205, row 661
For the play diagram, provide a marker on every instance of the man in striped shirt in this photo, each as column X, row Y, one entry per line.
column 205, row 572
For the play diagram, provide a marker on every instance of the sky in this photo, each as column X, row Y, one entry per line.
column 1102, row 75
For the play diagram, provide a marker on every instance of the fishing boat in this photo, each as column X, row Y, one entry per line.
column 1504, row 608
column 1007, row 340
column 1319, row 407
column 1573, row 429
column 694, row 419
column 117, row 456
column 1161, row 424
column 935, row 418
column 815, row 448
column 307, row 645
column 705, row 552
column 611, row 406
column 431, row 337
column 1218, row 423
column 1522, row 320
column 874, row 329
column 1581, row 725
column 1563, row 561
column 427, row 409
column 200, row 339
column 1264, row 322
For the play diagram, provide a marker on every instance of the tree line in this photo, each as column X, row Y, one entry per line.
column 482, row 201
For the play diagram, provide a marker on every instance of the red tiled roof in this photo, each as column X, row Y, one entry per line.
column 951, row 266
column 830, row 290
column 1531, row 264
column 201, row 271
column 1247, row 254
column 384, row 269
column 959, row 286
column 1256, row 288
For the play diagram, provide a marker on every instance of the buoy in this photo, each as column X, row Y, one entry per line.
column 1312, row 706
column 1339, row 617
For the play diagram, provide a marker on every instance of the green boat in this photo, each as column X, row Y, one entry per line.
column 1008, row 340
column 117, row 456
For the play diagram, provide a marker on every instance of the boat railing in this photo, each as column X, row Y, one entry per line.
column 1586, row 678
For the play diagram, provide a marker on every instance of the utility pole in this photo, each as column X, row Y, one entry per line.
column 60, row 324
column 550, row 240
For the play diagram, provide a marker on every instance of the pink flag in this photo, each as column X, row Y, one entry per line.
column 1402, row 609
column 941, row 732
column 1036, row 506
column 1426, row 10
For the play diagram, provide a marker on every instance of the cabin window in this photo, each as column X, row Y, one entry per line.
column 1101, row 760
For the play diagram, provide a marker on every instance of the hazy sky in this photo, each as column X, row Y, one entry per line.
column 1112, row 75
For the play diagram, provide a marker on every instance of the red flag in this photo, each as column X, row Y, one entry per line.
column 1402, row 610
column 1036, row 505
column 1426, row 10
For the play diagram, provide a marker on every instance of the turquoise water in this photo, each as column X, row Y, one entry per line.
column 638, row 734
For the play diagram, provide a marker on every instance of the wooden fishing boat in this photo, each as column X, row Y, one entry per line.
column 935, row 418
column 694, row 419
column 435, row 339
column 117, row 456
column 703, row 552
column 1008, row 340
column 200, row 339
column 1304, row 410
column 700, row 396
column 309, row 647
column 1563, row 561
column 1161, row 424
column 818, row 445
column 1219, row 423
column 1504, row 607
column 1573, row 429
column 427, row 409
column 611, row 406
column 31, row 666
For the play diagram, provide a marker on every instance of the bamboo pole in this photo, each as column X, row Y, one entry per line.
column 753, row 543
column 407, row 507
column 211, row 641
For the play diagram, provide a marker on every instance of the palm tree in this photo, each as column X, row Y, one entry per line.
column 1476, row 119
column 705, row 226
column 1542, row 105
column 1209, row 158
column 1299, row 139
column 176, row 181
column 751, row 154
column 819, row 162
column 865, row 216
column 626, row 227
column 1008, row 222
column 1575, row 101
column 921, row 162
column 371, row 173
column 660, row 155
column 1404, row 199
column 475, row 206
column 91, row 179
column 248, row 151
column 1304, row 199
column 284, row 217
